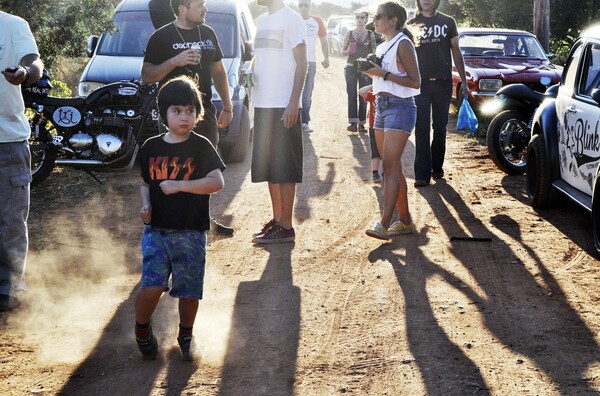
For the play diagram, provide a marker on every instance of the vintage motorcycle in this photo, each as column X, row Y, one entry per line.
column 510, row 130
column 102, row 131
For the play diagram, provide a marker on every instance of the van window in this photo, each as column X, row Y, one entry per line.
column 130, row 36
column 224, row 26
column 134, row 28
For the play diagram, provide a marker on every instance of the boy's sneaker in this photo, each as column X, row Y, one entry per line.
column 376, row 178
column 352, row 127
column 378, row 231
column 149, row 347
column 265, row 228
column 399, row 228
column 187, row 347
column 276, row 234
column 306, row 128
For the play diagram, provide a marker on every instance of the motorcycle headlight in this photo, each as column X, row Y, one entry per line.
column 87, row 87
column 490, row 85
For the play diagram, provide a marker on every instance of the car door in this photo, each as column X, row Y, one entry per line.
column 579, row 118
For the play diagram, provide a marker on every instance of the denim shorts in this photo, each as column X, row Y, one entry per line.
column 393, row 113
column 176, row 254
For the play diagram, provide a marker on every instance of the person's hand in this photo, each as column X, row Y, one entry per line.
column 146, row 214
column 465, row 90
column 169, row 187
column 225, row 118
column 187, row 57
column 325, row 63
column 15, row 75
column 290, row 116
column 375, row 71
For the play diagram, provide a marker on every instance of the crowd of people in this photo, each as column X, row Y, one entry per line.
column 408, row 86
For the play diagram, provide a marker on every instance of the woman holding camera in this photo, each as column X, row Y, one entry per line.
column 396, row 80
column 358, row 43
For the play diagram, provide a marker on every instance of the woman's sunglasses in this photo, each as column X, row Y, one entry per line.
column 361, row 17
column 378, row 16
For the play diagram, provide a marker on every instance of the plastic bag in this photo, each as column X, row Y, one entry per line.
column 466, row 117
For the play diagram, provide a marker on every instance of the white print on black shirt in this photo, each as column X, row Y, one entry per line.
column 434, row 34
column 204, row 44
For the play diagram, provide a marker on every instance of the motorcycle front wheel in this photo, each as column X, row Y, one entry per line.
column 42, row 155
column 507, row 140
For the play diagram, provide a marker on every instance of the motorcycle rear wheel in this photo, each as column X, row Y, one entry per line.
column 507, row 140
column 43, row 156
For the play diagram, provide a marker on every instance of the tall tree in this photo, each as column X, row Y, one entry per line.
column 61, row 27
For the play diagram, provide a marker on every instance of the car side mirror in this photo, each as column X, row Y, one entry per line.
column 248, row 54
column 596, row 95
column 91, row 45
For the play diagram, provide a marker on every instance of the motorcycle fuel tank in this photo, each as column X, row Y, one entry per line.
column 115, row 95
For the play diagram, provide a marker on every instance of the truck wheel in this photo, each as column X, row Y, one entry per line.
column 507, row 139
column 539, row 180
column 237, row 151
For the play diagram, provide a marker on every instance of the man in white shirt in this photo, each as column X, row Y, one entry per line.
column 19, row 64
column 314, row 28
column 279, row 73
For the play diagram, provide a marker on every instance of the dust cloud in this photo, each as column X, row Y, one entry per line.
column 73, row 291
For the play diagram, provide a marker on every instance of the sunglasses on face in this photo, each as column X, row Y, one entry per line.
column 361, row 17
column 378, row 16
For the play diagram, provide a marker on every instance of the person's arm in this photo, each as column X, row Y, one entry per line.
column 290, row 115
column 325, row 49
column 407, row 56
column 28, row 71
column 365, row 90
column 146, row 210
column 209, row 184
column 219, row 77
column 345, row 49
column 152, row 73
column 459, row 63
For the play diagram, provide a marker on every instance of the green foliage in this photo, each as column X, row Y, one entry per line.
column 61, row 89
column 61, row 27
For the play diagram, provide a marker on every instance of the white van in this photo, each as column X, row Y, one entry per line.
column 118, row 55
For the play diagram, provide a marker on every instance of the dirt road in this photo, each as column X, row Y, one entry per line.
column 336, row 312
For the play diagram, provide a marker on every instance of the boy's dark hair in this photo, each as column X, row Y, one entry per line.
column 179, row 91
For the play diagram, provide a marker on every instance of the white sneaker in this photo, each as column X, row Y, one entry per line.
column 306, row 128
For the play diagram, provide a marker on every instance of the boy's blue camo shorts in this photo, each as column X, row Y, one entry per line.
column 176, row 254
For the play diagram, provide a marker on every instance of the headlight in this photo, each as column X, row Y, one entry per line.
column 87, row 87
column 490, row 85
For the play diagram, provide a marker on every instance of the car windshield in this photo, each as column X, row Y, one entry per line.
column 133, row 29
column 501, row 45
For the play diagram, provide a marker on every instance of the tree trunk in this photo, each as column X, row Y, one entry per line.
column 541, row 22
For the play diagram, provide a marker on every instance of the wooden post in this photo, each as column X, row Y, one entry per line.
column 541, row 22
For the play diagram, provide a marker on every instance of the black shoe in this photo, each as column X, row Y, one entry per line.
column 8, row 303
column 421, row 183
column 220, row 229
column 352, row 127
column 149, row 347
column 438, row 175
column 362, row 129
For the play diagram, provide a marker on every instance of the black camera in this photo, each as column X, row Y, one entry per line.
column 363, row 64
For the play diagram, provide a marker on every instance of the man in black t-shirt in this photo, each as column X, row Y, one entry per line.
column 436, row 39
column 188, row 47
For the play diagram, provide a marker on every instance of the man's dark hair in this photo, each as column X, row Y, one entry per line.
column 176, row 3
column 179, row 91
column 420, row 10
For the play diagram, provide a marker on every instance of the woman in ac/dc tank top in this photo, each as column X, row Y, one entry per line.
column 358, row 43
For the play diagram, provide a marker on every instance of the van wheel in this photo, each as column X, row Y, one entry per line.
column 237, row 151
column 539, row 181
